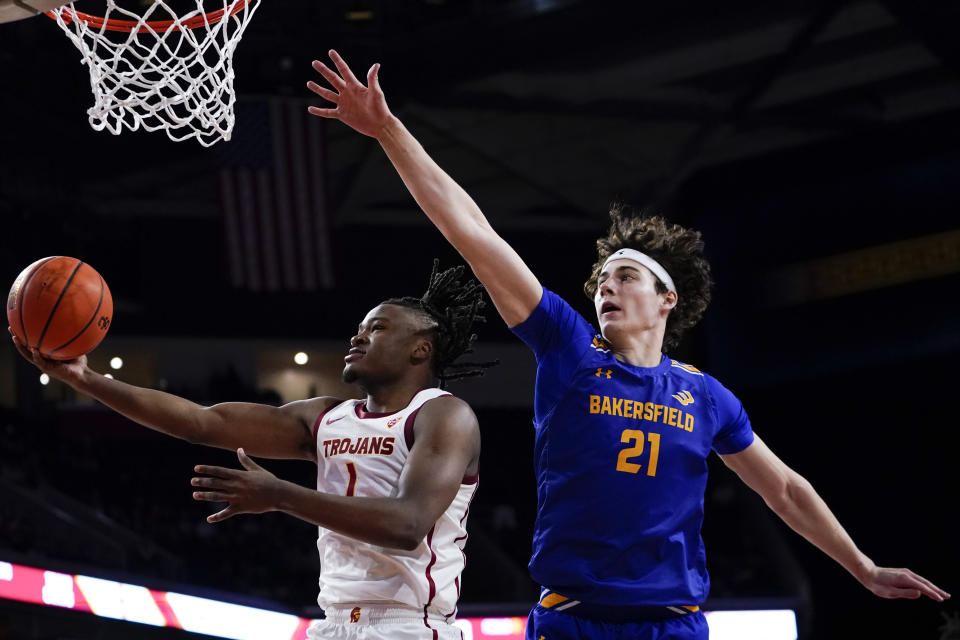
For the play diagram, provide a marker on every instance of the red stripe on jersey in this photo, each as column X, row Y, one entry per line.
column 456, row 580
column 352, row 483
column 316, row 425
column 408, row 427
column 363, row 414
column 465, row 514
column 430, row 582
column 408, row 423
column 456, row 583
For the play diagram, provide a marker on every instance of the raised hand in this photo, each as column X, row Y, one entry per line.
column 252, row 489
column 360, row 107
column 902, row 583
column 66, row 370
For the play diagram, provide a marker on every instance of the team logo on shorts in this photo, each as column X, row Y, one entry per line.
column 355, row 615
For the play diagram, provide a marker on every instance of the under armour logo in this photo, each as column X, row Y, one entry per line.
column 684, row 397
column 355, row 615
column 601, row 372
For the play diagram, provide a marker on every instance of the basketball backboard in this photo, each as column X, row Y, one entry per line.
column 11, row 10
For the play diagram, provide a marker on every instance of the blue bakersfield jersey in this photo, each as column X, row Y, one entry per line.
column 621, row 465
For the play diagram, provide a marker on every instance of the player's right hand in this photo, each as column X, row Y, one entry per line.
column 888, row 582
column 67, row 370
column 363, row 108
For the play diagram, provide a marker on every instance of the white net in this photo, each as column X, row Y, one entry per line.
column 161, row 71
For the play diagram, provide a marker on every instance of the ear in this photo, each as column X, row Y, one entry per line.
column 668, row 300
column 422, row 351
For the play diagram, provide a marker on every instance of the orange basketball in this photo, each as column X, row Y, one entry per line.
column 60, row 306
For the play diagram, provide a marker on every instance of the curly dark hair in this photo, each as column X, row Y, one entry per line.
column 450, row 309
column 679, row 250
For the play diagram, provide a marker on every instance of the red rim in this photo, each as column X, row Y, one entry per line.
column 158, row 25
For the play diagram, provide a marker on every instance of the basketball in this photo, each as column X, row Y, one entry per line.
column 60, row 306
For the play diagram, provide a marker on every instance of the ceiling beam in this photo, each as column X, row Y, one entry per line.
column 934, row 23
column 713, row 132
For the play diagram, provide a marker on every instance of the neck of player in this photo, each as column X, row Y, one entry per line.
column 640, row 349
column 391, row 397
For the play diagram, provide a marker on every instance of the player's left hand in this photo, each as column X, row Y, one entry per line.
column 901, row 583
column 252, row 489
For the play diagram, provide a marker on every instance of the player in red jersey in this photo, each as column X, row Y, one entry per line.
column 397, row 470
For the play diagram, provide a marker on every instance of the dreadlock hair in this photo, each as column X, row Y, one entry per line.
column 679, row 250
column 450, row 308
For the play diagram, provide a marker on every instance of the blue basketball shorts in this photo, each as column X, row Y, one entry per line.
column 544, row 624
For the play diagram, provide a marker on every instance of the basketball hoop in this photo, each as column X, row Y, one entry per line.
column 171, row 74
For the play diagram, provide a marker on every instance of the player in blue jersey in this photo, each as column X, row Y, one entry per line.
column 623, row 432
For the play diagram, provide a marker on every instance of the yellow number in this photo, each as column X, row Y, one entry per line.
column 636, row 436
column 632, row 452
column 654, row 439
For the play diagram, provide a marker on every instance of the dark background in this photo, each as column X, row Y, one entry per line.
column 788, row 133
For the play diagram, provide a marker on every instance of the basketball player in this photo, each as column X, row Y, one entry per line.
column 623, row 432
column 397, row 470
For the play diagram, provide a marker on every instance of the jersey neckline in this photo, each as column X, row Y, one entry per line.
column 363, row 414
column 663, row 367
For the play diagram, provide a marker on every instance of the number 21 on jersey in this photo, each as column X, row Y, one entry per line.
column 631, row 453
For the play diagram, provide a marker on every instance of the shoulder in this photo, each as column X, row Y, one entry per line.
column 558, row 307
column 552, row 311
column 683, row 368
column 446, row 425
column 448, row 409
column 307, row 414
column 445, row 419
column 308, row 411
column 692, row 375
column 726, row 405
column 687, row 374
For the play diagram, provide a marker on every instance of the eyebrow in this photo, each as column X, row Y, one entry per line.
column 375, row 319
column 620, row 268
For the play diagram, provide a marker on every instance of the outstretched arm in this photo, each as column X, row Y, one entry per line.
column 271, row 432
column 513, row 288
column 447, row 447
column 794, row 499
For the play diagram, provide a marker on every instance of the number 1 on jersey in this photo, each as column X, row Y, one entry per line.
column 636, row 436
column 352, row 482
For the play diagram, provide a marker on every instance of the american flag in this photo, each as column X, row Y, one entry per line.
column 273, row 193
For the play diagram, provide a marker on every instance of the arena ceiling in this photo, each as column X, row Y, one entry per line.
column 545, row 110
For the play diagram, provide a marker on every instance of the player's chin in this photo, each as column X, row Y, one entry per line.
column 350, row 374
column 609, row 329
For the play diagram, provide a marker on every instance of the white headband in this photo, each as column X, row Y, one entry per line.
column 645, row 260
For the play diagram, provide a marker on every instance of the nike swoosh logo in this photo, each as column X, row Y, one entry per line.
column 332, row 420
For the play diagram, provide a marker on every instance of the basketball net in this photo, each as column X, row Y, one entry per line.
column 161, row 71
